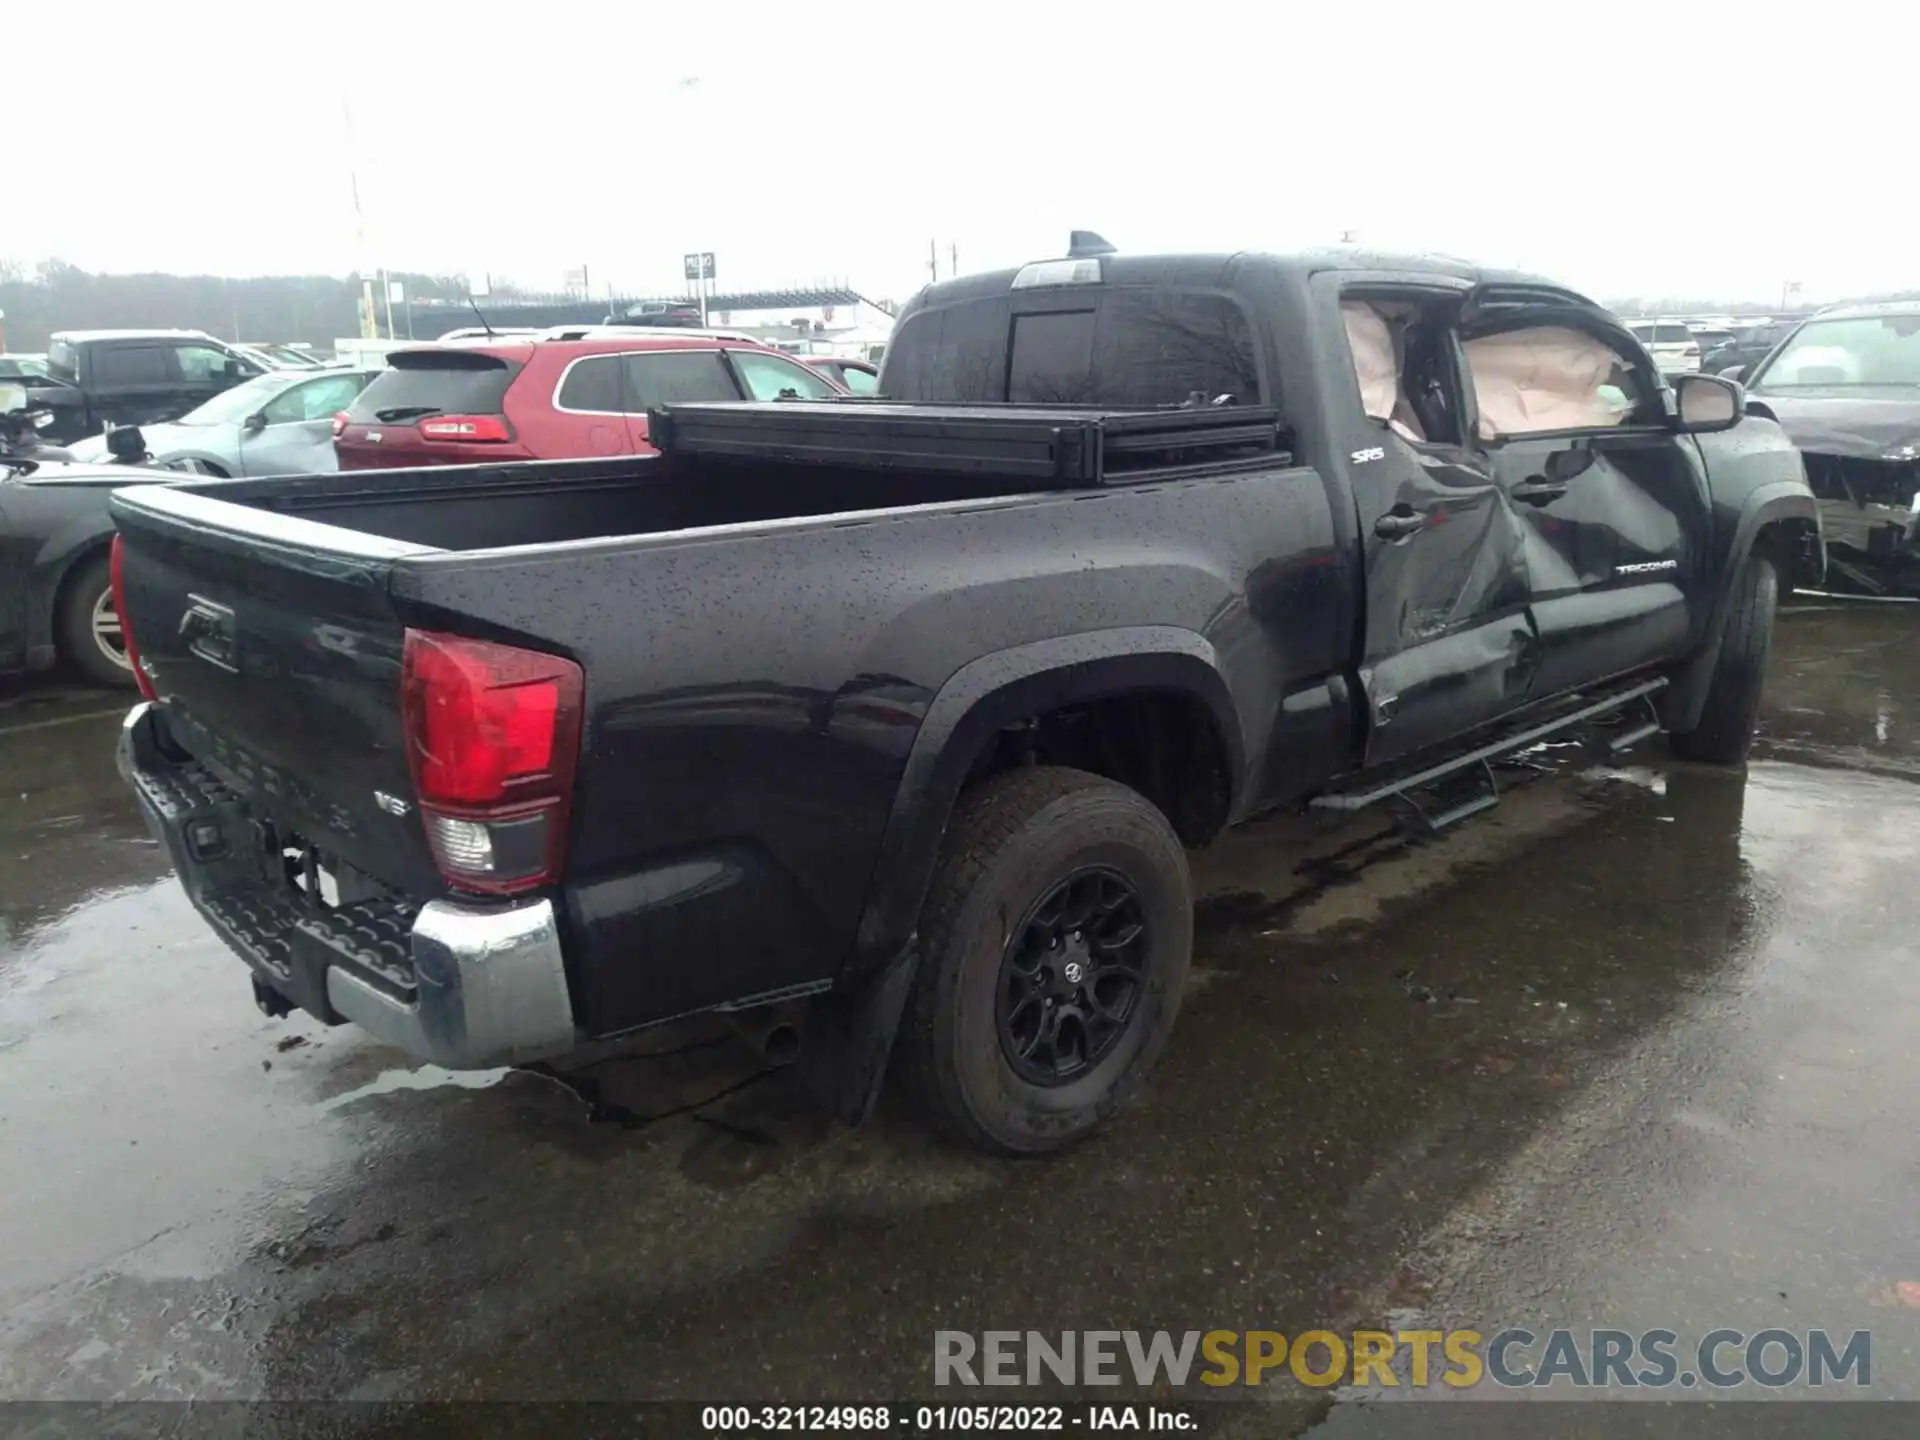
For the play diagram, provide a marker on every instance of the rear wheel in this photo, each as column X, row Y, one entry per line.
column 1725, row 732
column 1056, row 940
column 88, row 625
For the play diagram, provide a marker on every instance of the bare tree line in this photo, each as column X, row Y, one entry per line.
column 37, row 300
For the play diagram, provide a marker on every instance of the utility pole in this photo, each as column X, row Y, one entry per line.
column 953, row 272
column 369, row 321
column 933, row 261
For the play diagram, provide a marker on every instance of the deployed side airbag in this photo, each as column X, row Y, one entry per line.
column 1545, row 378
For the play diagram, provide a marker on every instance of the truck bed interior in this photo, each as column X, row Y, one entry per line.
column 732, row 464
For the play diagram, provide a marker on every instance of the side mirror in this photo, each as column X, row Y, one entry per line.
column 255, row 423
column 1734, row 372
column 1708, row 403
column 127, row 445
column 231, row 369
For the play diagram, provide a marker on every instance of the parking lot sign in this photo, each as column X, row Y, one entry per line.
column 699, row 264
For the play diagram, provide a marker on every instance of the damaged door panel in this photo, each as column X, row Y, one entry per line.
column 1448, row 644
column 1571, row 417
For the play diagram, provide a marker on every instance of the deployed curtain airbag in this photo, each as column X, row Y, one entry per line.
column 1546, row 378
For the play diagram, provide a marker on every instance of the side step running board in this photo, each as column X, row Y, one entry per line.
column 1482, row 757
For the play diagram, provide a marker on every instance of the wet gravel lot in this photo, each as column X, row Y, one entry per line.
column 1637, row 1048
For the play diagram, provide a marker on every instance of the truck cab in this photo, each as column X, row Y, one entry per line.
column 111, row 378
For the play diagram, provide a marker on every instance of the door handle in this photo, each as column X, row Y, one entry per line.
column 1538, row 490
column 1392, row 526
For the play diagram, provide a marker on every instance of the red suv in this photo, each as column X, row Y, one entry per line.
column 554, row 399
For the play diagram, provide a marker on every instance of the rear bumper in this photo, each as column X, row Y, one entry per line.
column 466, row 986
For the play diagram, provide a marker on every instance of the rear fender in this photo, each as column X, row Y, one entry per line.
column 986, row 696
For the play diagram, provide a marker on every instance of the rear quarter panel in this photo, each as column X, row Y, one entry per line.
column 753, row 695
column 546, row 433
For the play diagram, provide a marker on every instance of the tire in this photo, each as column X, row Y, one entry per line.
column 1028, row 853
column 85, row 597
column 1725, row 732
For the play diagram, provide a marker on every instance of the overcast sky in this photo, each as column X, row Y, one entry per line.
column 1661, row 148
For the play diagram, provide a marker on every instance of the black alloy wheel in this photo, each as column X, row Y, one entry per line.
column 1071, row 978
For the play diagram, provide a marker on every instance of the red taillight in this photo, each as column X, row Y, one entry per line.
column 339, row 423
column 493, row 734
column 126, row 621
column 475, row 429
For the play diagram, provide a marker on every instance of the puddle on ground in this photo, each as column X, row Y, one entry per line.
column 427, row 1077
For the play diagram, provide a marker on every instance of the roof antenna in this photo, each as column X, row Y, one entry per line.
column 1083, row 244
column 483, row 288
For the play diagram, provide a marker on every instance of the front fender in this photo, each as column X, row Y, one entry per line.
column 985, row 696
column 1771, row 503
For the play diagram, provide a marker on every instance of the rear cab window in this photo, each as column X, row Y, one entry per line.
column 439, row 382
column 1122, row 348
column 115, row 365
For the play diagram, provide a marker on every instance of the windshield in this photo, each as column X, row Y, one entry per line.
column 15, row 366
column 1870, row 352
column 230, row 407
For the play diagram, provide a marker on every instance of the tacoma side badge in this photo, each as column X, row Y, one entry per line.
column 392, row 804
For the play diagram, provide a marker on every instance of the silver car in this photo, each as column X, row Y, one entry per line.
column 280, row 423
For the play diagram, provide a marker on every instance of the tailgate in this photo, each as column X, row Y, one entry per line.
column 275, row 654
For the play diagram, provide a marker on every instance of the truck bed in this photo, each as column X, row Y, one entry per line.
column 740, row 464
column 760, row 654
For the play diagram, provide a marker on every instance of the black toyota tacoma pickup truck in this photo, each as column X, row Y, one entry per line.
column 887, row 725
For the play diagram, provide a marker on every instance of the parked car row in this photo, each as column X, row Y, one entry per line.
column 1748, row 347
column 570, row 393
column 280, row 423
column 554, row 399
column 1682, row 347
